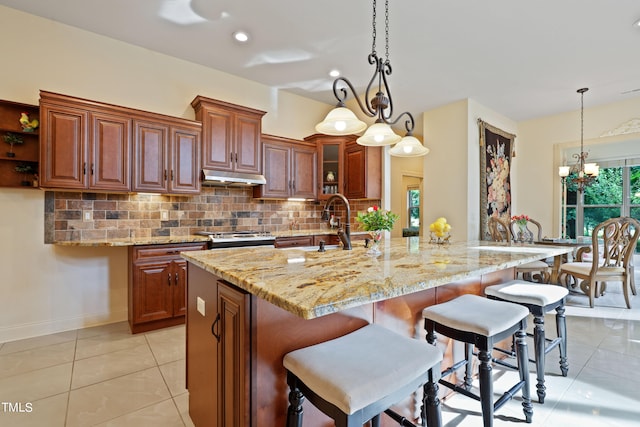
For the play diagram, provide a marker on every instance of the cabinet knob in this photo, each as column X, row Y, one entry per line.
column 169, row 279
column 213, row 328
column 176, row 279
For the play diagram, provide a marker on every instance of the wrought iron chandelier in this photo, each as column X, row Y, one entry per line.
column 585, row 173
column 342, row 121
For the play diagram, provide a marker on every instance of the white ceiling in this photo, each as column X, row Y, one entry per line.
column 524, row 59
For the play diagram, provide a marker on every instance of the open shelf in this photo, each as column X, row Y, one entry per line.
column 25, row 154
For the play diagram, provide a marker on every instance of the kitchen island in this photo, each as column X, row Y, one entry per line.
column 248, row 308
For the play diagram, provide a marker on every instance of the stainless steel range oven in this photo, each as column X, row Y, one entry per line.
column 238, row 239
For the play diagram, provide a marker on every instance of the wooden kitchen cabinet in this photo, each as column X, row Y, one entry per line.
column 89, row 145
column 219, row 349
column 83, row 147
column 362, row 171
column 157, row 285
column 166, row 158
column 23, row 156
column 289, row 167
column 347, row 168
column 230, row 135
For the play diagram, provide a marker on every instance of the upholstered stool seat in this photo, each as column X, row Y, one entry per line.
column 539, row 299
column 356, row 377
column 482, row 323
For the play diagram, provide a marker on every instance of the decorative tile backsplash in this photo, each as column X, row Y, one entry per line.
column 71, row 216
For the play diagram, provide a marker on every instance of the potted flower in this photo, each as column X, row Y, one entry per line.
column 375, row 221
column 26, row 170
column 523, row 233
column 11, row 139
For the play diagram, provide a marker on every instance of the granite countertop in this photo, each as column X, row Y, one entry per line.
column 311, row 284
column 189, row 238
column 133, row 241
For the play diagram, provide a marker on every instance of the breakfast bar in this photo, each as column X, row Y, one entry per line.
column 247, row 308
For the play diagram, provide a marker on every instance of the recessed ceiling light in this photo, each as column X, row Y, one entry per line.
column 637, row 24
column 334, row 73
column 241, row 36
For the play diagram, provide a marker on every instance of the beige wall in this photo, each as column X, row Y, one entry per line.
column 47, row 288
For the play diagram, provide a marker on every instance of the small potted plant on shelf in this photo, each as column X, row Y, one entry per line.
column 11, row 139
column 26, row 170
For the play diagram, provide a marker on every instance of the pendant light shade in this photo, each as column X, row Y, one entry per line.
column 378, row 135
column 341, row 121
column 409, row 146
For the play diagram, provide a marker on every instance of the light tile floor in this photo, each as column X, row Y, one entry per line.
column 104, row 376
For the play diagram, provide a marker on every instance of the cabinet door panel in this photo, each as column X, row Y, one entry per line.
column 248, row 144
column 202, row 349
column 179, row 288
column 304, row 173
column 276, row 166
column 234, row 356
column 153, row 291
column 185, row 161
column 63, row 147
column 217, row 145
column 150, row 157
column 354, row 172
column 110, row 148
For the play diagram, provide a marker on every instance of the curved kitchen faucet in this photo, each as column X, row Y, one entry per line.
column 344, row 235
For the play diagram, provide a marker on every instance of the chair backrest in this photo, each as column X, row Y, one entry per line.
column 614, row 242
column 499, row 230
column 532, row 231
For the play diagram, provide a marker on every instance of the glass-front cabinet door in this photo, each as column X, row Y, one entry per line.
column 330, row 164
column 331, row 173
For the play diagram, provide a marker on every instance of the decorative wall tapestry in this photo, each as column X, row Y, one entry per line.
column 497, row 148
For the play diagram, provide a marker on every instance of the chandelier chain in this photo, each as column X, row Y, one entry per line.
column 386, row 28
column 373, row 33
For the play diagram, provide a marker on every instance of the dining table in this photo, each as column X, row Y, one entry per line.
column 575, row 243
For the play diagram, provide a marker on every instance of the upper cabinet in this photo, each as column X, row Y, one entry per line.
column 19, row 153
column 88, row 145
column 230, row 135
column 289, row 167
column 347, row 168
column 166, row 157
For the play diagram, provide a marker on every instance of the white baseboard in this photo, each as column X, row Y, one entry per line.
column 36, row 329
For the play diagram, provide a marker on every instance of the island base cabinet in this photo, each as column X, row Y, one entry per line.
column 218, row 351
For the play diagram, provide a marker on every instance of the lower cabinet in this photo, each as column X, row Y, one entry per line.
column 218, row 351
column 157, row 285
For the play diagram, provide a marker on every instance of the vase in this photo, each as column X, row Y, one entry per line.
column 523, row 233
column 376, row 237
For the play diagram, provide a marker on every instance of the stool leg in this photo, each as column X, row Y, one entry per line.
column 561, row 328
column 486, row 386
column 375, row 421
column 523, row 368
column 294, row 413
column 539, row 344
column 468, row 370
column 431, row 404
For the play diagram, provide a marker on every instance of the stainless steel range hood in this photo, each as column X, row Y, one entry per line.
column 213, row 177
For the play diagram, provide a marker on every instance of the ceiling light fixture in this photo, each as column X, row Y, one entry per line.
column 342, row 121
column 334, row 73
column 241, row 36
column 586, row 173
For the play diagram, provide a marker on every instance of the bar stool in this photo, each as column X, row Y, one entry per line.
column 539, row 299
column 482, row 323
column 356, row 377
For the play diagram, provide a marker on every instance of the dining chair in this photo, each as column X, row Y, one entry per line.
column 534, row 271
column 611, row 258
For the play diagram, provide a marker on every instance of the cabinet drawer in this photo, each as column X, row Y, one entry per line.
column 154, row 251
column 292, row 242
column 329, row 239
